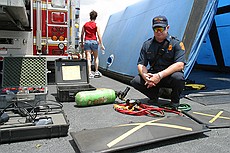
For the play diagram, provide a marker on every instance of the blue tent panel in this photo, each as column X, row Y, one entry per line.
column 222, row 20
column 207, row 56
column 127, row 30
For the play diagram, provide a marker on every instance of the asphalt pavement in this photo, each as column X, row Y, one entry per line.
column 100, row 116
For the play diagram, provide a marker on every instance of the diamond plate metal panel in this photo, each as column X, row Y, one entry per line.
column 24, row 72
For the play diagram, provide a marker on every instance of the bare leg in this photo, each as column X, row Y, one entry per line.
column 88, row 58
column 96, row 60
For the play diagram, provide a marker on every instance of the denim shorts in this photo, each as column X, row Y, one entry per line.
column 91, row 45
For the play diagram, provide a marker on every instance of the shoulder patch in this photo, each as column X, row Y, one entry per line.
column 170, row 47
column 182, row 46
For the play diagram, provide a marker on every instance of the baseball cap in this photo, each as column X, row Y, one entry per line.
column 160, row 21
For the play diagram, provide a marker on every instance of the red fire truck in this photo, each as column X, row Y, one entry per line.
column 39, row 28
column 47, row 28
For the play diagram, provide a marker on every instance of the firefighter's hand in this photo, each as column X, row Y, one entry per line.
column 152, row 80
column 146, row 76
column 149, row 84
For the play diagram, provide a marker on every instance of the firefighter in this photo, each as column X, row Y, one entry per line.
column 166, row 58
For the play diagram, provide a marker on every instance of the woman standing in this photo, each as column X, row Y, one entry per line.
column 90, row 33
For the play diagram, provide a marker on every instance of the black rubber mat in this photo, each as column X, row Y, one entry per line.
column 214, row 118
column 216, row 88
column 135, row 134
column 210, row 99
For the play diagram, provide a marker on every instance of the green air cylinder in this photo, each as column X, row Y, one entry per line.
column 95, row 97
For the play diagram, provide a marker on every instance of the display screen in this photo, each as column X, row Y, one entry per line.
column 71, row 72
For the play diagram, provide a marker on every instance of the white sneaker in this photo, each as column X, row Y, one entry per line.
column 91, row 75
column 97, row 74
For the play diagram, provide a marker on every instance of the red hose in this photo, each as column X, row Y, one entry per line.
column 143, row 109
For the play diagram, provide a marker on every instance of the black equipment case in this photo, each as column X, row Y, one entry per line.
column 71, row 77
column 46, row 125
column 24, row 110
column 24, row 79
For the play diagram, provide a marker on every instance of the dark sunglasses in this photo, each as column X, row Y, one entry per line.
column 161, row 29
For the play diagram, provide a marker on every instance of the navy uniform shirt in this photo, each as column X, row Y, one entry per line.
column 175, row 52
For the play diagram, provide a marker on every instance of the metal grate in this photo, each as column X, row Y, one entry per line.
column 24, row 72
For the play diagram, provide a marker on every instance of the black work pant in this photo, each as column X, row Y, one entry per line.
column 174, row 81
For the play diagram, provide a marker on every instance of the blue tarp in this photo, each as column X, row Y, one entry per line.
column 203, row 30
column 206, row 55
column 127, row 30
